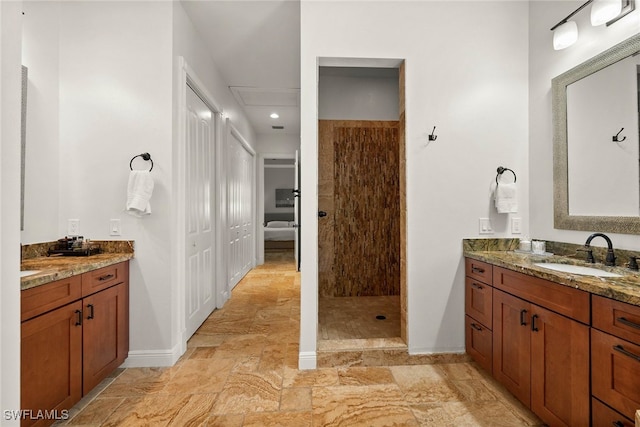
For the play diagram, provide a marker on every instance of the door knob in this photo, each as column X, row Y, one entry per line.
column 322, row 214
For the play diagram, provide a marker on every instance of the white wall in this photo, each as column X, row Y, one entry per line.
column 115, row 103
column 286, row 143
column 343, row 97
column 274, row 178
column 472, row 84
column 10, row 83
column 545, row 64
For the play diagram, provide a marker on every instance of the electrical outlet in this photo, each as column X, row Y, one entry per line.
column 73, row 227
column 114, row 227
column 485, row 226
column 516, row 225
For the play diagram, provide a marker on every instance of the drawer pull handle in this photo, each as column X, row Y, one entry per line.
column 621, row 349
column 79, row 317
column 627, row 322
column 523, row 321
column 534, row 328
column 106, row 277
column 477, row 270
column 475, row 285
column 476, row 327
column 90, row 307
column 618, row 424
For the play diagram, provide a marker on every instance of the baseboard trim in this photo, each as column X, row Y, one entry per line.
column 307, row 360
column 153, row 358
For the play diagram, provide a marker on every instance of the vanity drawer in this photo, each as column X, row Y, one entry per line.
column 615, row 372
column 617, row 318
column 41, row 299
column 479, row 270
column 478, row 342
column 478, row 301
column 602, row 415
column 564, row 300
column 103, row 278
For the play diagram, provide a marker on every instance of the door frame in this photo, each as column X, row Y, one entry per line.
column 260, row 198
column 187, row 76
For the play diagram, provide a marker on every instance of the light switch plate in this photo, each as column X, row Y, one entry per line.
column 114, row 227
column 485, row 226
column 516, row 225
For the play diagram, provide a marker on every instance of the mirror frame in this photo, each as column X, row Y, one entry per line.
column 561, row 217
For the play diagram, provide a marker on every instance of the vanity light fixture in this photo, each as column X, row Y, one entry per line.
column 274, row 115
column 565, row 32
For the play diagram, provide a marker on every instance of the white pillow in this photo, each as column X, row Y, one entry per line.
column 278, row 224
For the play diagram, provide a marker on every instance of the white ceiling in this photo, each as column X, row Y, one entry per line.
column 256, row 47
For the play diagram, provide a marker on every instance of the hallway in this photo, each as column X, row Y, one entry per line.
column 240, row 369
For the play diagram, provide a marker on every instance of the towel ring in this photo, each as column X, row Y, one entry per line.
column 145, row 156
column 501, row 170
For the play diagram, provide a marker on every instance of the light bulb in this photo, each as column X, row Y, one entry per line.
column 565, row 35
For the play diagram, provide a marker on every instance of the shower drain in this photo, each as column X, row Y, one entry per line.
column 381, row 317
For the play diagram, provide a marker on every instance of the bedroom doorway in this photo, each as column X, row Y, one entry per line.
column 279, row 181
column 361, row 203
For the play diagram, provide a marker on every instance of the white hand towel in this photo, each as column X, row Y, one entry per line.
column 139, row 190
column 506, row 198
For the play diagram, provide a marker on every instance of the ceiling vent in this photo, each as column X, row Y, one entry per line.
column 277, row 127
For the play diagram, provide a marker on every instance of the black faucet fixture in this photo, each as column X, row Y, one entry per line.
column 611, row 258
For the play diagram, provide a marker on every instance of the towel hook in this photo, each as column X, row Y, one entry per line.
column 615, row 137
column 433, row 137
column 145, row 156
column 502, row 170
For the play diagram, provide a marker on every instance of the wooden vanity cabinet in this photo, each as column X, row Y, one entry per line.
column 478, row 312
column 68, row 348
column 540, row 349
column 615, row 353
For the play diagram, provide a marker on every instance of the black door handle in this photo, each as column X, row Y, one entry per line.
column 322, row 214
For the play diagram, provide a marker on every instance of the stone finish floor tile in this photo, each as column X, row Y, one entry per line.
column 240, row 369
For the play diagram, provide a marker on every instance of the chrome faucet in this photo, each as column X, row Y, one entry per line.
column 611, row 258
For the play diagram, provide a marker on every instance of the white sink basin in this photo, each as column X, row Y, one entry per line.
column 25, row 273
column 577, row 269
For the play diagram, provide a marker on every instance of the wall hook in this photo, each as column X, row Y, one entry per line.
column 433, row 137
column 615, row 137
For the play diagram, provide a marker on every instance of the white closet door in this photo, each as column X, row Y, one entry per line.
column 200, row 233
column 240, row 210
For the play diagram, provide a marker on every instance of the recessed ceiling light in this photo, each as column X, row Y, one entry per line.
column 274, row 115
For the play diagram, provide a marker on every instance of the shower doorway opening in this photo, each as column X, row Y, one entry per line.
column 361, row 201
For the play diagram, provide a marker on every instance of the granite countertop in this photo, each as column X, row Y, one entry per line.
column 60, row 267
column 625, row 288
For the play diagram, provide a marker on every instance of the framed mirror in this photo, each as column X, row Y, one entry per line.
column 596, row 169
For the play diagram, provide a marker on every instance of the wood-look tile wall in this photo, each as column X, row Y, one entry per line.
column 360, row 191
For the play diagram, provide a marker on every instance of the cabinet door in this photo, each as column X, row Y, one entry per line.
column 478, row 339
column 105, row 334
column 615, row 372
column 512, row 344
column 559, row 369
column 602, row 415
column 478, row 302
column 51, row 361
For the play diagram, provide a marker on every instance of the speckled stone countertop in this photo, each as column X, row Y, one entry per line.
column 625, row 288
column 59, row 267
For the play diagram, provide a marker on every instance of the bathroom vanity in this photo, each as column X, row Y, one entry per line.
column 566, row 345
column 74, row 330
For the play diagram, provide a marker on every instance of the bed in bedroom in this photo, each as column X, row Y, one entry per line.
column 278, row 233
